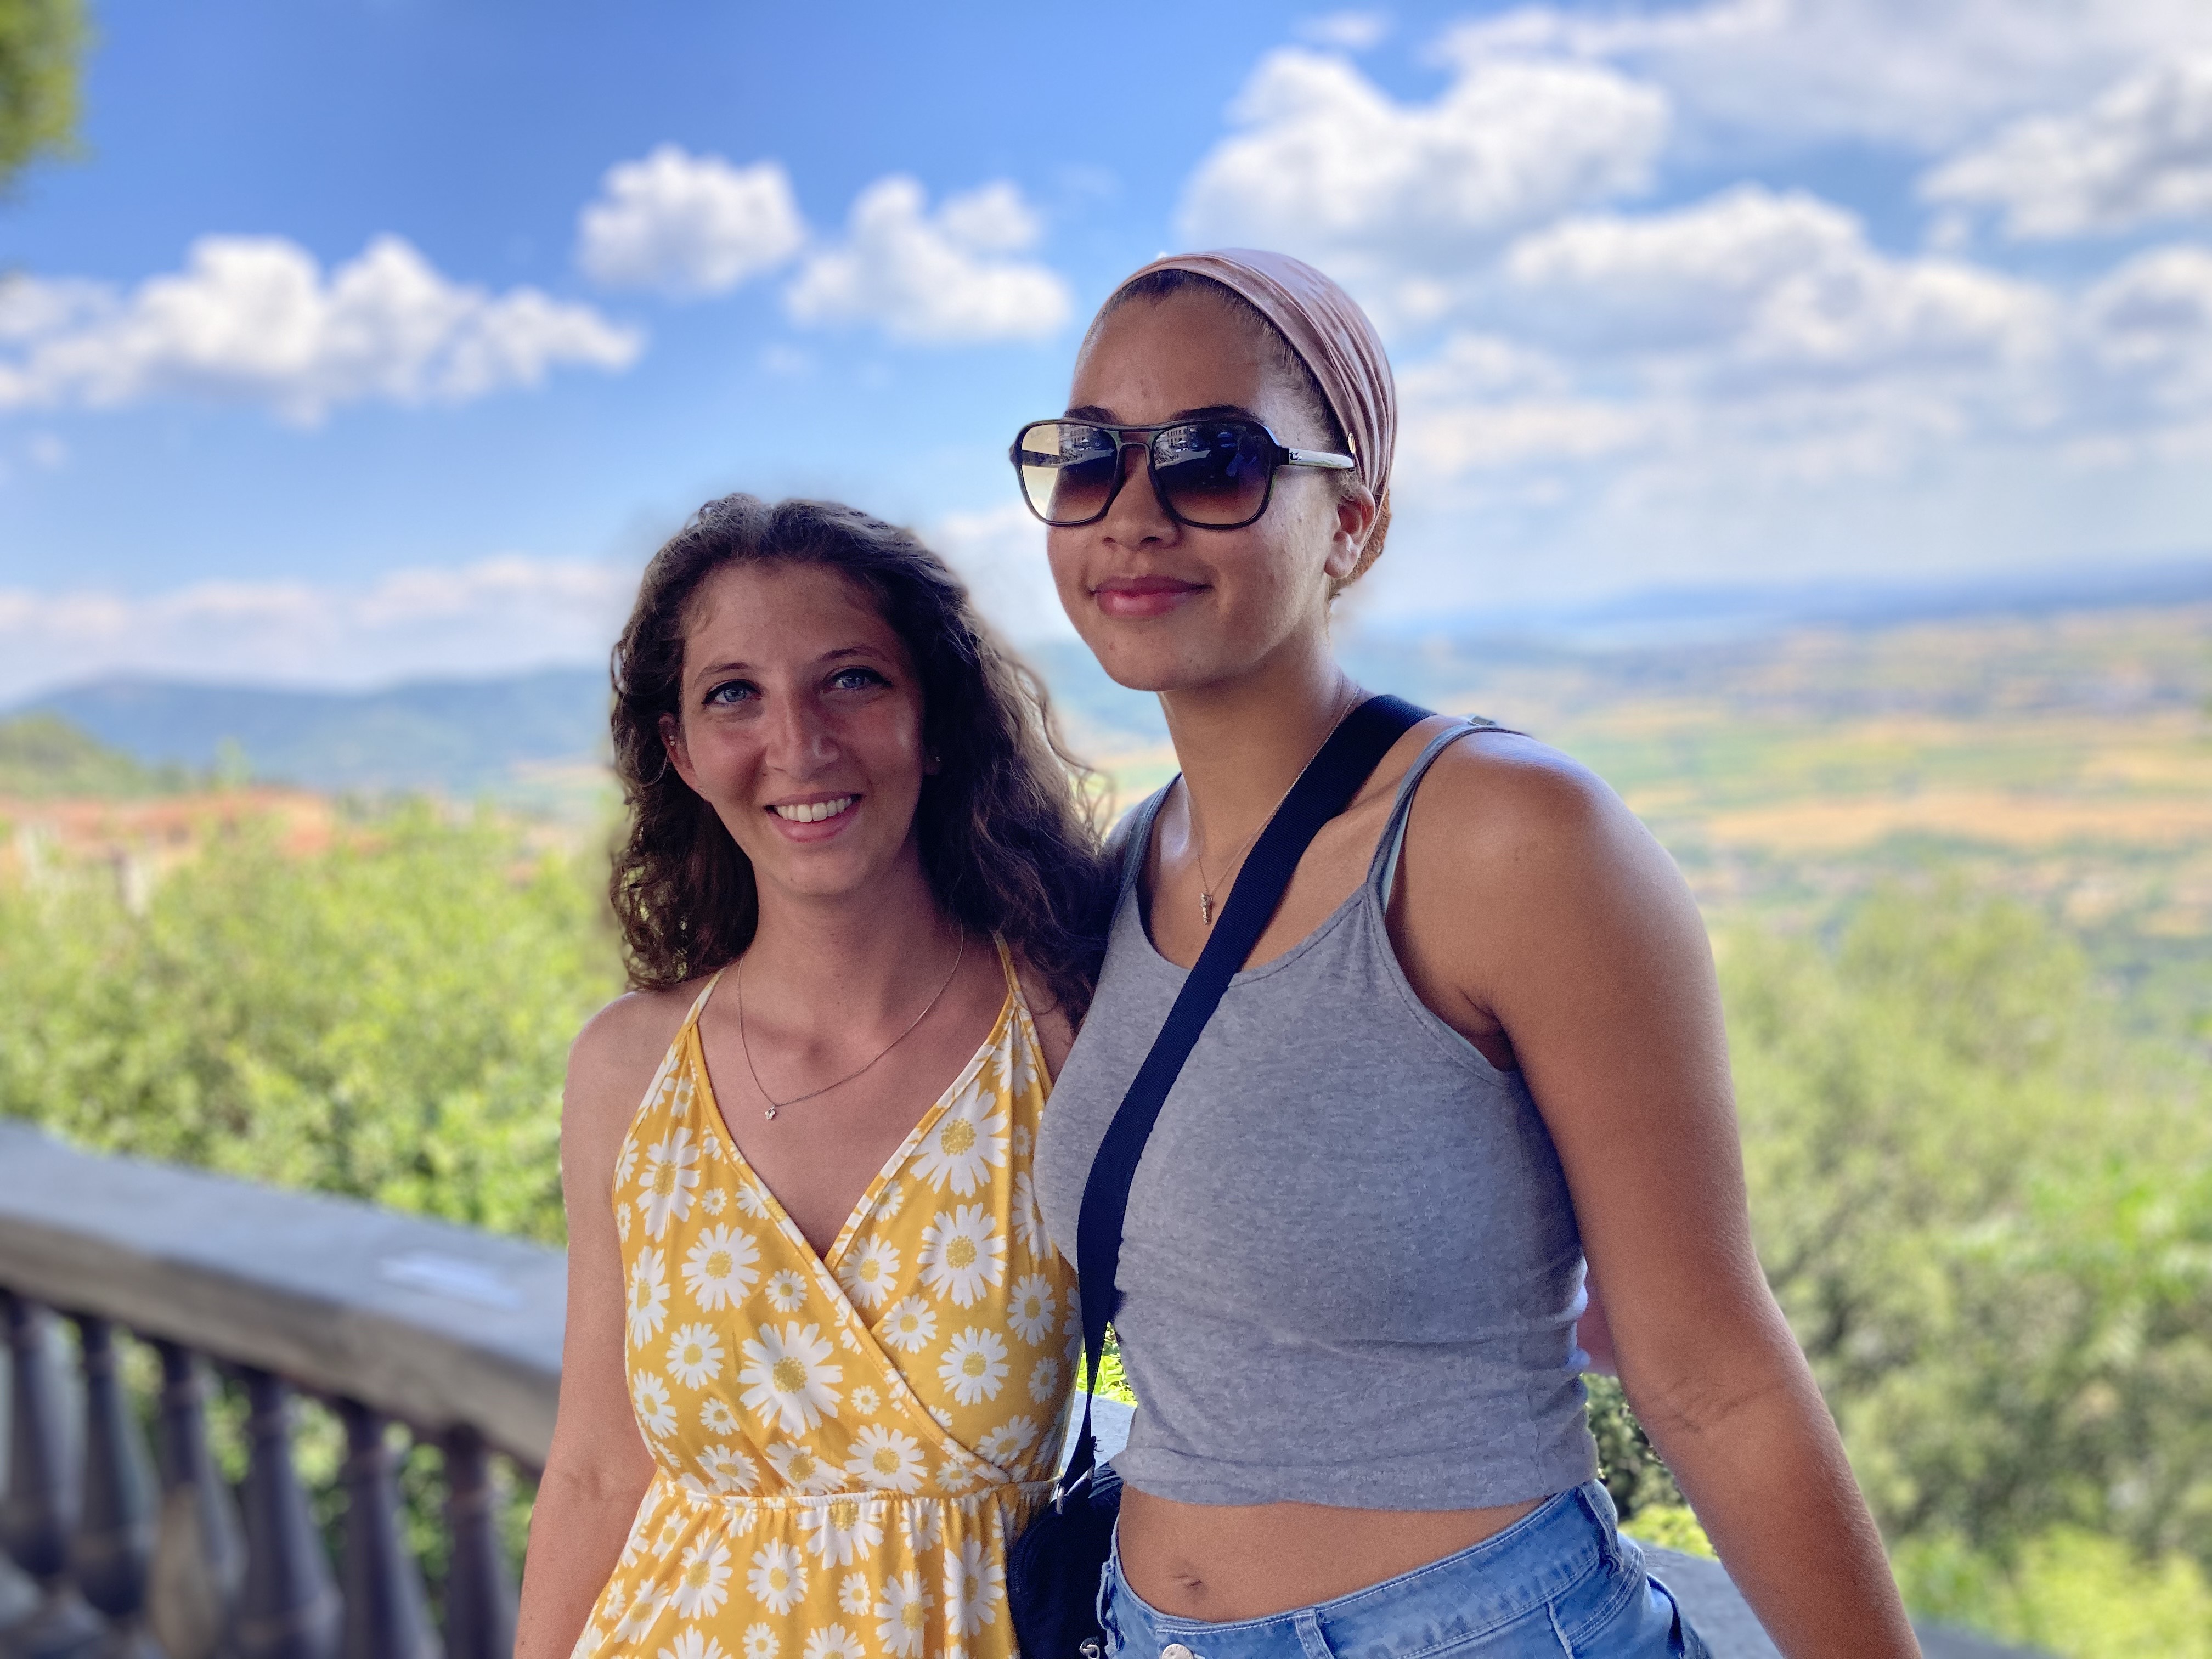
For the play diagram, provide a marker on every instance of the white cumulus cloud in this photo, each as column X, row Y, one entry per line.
column 687, row 224
column 1000, row 553
column 1772, row 284
column 2140, row 153
column 943, row 278
column 1905, row 72
column 1327, row 165
column 498, row 615
column 255, row 319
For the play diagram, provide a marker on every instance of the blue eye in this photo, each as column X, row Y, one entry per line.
column 730, row 691
column 857, row 679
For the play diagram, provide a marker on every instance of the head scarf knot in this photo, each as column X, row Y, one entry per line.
column 1327, row 328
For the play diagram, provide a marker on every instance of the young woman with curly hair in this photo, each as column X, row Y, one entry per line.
column 816, row 1363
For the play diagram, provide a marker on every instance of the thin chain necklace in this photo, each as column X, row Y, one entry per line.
column 1236, row 860
column 745, row 1048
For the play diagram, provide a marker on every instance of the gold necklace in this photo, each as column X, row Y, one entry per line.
column 1237, row 861
column 745, row 1048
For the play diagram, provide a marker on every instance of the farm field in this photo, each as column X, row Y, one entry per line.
column 2063, row 760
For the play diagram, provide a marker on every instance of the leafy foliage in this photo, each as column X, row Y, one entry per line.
column 41, row 42
column 387, row 1020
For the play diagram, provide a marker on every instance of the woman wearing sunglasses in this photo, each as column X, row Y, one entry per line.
column 815, row 1368
column 1478, row 1044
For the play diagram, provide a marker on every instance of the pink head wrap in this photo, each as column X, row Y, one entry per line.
column 1327, row 328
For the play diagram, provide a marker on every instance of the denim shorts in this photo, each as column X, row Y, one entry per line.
column 1560, row 1583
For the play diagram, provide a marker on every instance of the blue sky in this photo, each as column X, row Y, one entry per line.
column 374, row 337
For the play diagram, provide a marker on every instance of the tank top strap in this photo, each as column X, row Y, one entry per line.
column 699, row 1002
column 1382, row 869
column 1138, row 823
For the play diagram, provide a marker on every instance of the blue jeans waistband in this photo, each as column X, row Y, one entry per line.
column 1545, row 1585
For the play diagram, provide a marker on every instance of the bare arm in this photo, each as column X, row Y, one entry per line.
column 597, row 1469
column 1538, row 910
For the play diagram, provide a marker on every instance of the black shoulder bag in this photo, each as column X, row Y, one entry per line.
column 1052, row 1572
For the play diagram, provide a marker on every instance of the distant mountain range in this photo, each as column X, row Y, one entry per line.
column 462, row 737
column 474, row 737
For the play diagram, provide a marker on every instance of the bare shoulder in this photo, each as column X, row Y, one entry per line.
column 613, row 1060
column 1518, row 857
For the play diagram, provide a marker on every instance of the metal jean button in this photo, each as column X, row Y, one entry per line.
column 1175, row 1650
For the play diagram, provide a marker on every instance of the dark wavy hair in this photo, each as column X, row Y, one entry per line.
column 1006, row 823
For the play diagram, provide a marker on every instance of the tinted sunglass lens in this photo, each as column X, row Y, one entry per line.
column 1214, row 472
column 1067, row 470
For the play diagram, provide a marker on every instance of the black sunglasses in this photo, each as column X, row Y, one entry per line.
column 1216, row 474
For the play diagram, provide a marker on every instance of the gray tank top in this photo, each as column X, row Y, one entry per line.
column 1350, row 1272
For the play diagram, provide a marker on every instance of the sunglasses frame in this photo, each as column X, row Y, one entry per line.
column 1124, row 439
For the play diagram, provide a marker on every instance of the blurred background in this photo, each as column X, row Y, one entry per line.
column 1809, row 425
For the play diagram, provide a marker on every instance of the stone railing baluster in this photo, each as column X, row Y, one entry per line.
column 479, row 1591
column 40, row 1508
column 287, row 1607
column 387, row 1615
column 199, row 1555
column 113, row 1545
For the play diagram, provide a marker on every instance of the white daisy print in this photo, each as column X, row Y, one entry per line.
column 1044, row 1379
column 1072, row 1328
column 786, row 1291
column 622, row 1226
column 714, row 1200
column 643, row 1615
column 729, row 1469
column 1031, row 1316
column 924, row 1525
column 865, row 1401
column 847, row 1341
column 974, row 1584
column 886, row 1460
column 716, row 1417
column 902, row 1615
column 909, row 1326
column 656, row 1412
column 834, row 1642
column 854, row 1594
column 1028, row 1220
column 695, row 1644
column 750, row 1203
column 760, row 1641
column 1008, row 1441
column 955, row 1477
column 626, row 1163
column 778, row 1578
column 789, row 1377
column 842, row 1531
column 962, row 1253
column 968, row 1140
column 695, row 1356
column 801, row 1469
column 648, row 1296
column 670, row 1173
column 867, row 1274
column 719, row 1268
column 1021, row 1140
column 703, row 1579
column 974, row 1365
column 892, row 1202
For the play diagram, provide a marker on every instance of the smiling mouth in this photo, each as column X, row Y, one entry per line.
column 815, row 811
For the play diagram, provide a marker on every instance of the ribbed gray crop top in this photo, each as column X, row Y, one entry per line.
column 1350, row 1271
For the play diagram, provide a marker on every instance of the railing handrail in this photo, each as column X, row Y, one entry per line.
column 442, row 1326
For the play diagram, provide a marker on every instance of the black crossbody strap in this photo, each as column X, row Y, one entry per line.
column 1324, row 789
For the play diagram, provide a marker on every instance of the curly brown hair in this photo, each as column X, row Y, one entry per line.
column 1006, row 825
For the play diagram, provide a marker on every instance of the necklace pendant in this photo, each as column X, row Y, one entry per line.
column 1206, row 907
column 770, row 1114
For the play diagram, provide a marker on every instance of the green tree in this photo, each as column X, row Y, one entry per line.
column 42, row 43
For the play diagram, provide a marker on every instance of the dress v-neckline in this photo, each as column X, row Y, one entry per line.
column 1010, row 1015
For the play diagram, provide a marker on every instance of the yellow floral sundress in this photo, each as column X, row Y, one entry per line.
column 847, row 1444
